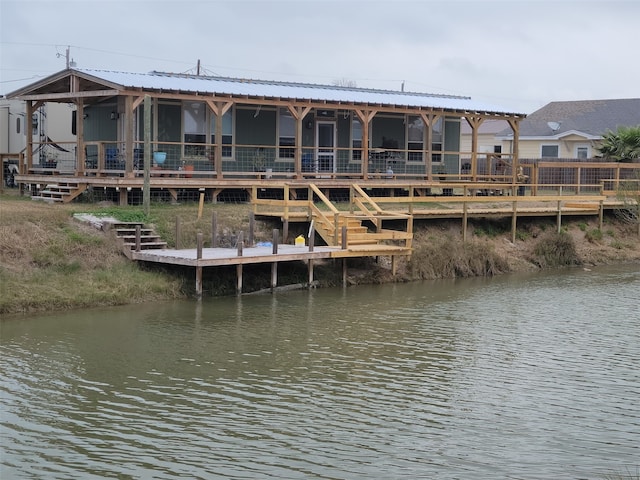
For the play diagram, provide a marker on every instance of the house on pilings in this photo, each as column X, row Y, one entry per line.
column 217, row 133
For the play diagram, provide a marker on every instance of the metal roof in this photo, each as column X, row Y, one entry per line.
column 287, row 90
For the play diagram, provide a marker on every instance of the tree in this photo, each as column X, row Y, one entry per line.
column 345, row 82
column 623, row 145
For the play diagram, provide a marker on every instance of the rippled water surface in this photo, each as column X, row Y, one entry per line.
column 527, row 377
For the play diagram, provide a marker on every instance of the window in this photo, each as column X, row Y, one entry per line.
column 18, row 125
column 549, row 151
column 415, row 138
column 582, row 152
column 194, row 115
column 437, row 137
column 286, row 134
column 227, row 133
column 356, row 140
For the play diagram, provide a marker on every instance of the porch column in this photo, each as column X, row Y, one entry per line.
column 298, row 114
column 429, row 121
column 514, row 123
column 80, row 155
column 474, row 123
column 218, row 109
column 365, row 116
column 128, row 135
column 28, row 127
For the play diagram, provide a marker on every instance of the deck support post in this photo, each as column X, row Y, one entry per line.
column 601, row 215
column 344, row 272
column 285, row 231
column 178, row 233
column 274, row 265
column 514, row 222
column 394, row 264
column 201, row 203
column 199, row 282
column 559, row 219
column 123, row 197
column 239, row 279
column 310, row 273
column 464, row 220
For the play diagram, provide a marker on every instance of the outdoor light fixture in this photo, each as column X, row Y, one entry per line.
column 34, row 121
column 114, row 115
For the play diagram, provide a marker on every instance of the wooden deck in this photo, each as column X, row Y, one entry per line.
column 217, row 257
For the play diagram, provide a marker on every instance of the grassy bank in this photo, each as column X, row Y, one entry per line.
column 49, row 261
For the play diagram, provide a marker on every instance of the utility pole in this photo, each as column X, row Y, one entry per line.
column 198, row 68
column 68, row 56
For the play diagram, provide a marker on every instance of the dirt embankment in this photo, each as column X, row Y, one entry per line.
column 48, row 261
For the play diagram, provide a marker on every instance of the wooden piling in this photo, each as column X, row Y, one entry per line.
column 199, row 282
column 274, row 265
column 200, row 242
column 312, row 235
column 214, row 230
column 239, row 279
column 252, row 224
column 138, row 237
column 201, row 203
column 178, row 233
column 240, row 243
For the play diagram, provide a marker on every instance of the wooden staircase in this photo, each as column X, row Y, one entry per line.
column 60, row 191
column 126, row 232
column 357, row 234
column 330, row 225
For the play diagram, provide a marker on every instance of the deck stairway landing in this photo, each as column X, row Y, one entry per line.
column 60, row 191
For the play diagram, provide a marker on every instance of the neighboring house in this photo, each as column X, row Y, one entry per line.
column 50, row 127
column 571, row 129
column 52, row 120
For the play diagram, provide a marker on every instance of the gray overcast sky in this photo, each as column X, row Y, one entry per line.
column 515, row 54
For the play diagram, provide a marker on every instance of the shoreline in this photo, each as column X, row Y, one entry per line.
column 51, row 262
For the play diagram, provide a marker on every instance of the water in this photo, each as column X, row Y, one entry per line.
column 523, row 377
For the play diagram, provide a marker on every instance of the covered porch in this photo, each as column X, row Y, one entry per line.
column 210, row 131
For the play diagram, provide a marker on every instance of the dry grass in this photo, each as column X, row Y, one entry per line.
column 443, row 254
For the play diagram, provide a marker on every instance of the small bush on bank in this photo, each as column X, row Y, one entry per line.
column 594, row 235
column 556, row 250
column 450, row 257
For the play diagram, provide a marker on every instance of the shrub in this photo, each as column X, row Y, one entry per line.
column 556, row 250
column 594, row 236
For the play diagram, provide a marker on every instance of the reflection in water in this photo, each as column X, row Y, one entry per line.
column 513, row 377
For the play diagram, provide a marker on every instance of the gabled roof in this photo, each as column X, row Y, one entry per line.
column 195, row 84
column 588, row 118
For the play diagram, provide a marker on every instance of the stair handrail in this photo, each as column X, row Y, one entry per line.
column 367, row 198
